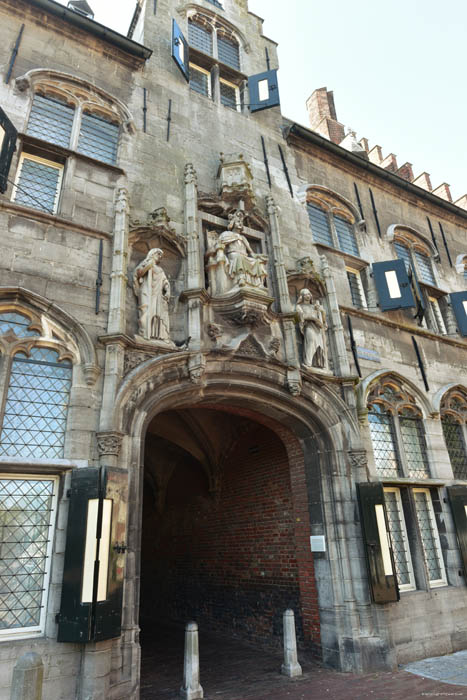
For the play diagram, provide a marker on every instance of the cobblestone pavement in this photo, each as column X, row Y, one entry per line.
column 230, row 670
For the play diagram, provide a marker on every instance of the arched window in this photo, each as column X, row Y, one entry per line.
column 397, row 433
column 333, row 223
column 69, row 114
column 418, row 256
column 214, row 60
column 38, row 380
column 454, row 422
column 400, row 453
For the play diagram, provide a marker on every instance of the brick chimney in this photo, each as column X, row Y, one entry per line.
column 323, row 117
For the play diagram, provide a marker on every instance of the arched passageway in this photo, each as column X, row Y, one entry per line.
column 218, row 530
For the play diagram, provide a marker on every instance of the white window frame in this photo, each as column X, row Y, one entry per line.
column 437, row 315
column 51, row 164
column 28, row 632
column 435, row 583
column 361, row 289
column 411, row 586
column 238, row 107
column 206, row 72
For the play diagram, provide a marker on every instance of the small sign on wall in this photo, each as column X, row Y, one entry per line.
column 317, row 543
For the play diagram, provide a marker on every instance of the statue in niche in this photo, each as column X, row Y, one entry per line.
column 236, row 264
column 152, row 288
column 312, row 324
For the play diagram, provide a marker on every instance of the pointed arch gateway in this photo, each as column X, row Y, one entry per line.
column 230, row 476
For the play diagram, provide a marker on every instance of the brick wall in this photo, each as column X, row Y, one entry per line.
column 238, row 561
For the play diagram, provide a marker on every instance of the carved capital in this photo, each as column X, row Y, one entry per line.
column 91, row 373
column 109, row 442
column 133, row 359
column 196, row 368
column 357, row 458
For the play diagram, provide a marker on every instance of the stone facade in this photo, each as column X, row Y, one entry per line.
column 239, row 450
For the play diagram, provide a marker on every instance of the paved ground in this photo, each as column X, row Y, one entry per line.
column 230, row 670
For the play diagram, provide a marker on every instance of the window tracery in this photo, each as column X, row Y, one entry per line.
column 454, row 423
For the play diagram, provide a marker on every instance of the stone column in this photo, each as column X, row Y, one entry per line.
column 290, row 667
column 340, row 359
column 195, row 295
column 191, row 689
column 118, row 275
column 283, row 300
column 27, row 677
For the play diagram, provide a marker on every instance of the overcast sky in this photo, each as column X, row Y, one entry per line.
column 397, row 70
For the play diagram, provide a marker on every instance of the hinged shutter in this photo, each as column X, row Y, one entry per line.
column 180, row 50
column 458, row 500
column 417, row 292
column 8, row 135
column 459, row 306
column 91, row 605
column 264, row 91
column 393, row 286
column 380, row 560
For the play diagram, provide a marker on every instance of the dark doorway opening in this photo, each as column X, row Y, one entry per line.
column 218, row 543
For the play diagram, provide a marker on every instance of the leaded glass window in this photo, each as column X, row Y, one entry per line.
column 320, row 226
column 454, row 422
column 425, row 270
column 356, row 289
column 228, row 95
column 429, row 537
column 399, row 539
column 383, row 438
column 228, row 52
column 397, row 431
column 403, row 253
column 416, row 260
column 413, row 439
column 17, row 324
column 200, row 37
column 346, row 236
column 199, row 81
column 51, row 120
column 27, row 516
column 38, row 183
column 36, row 406
column 98, row 138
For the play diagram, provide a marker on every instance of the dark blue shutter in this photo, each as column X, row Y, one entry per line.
column 96, row 620
column 180, row 50
column 383, row 586
column 264, row 91
column 458, row 501
column 459, row 306
column 7, row 148
column 386, row 302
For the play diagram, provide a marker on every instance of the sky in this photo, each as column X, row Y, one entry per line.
column 397, row 70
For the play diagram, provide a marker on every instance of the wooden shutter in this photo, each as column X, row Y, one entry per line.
column 91, row 605
column 380, row 560
column 459, row 307
column 458, row 500
column 264, row 91
column 393, row 286
column 180, row 50
column 8, row 135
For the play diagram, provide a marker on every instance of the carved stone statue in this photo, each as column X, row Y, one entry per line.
column 312, row 323
column 232, row 262
column 152, row 288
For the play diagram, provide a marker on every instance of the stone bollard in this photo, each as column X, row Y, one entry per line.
column 191, row 689
column 290, row 667
column 27, row 677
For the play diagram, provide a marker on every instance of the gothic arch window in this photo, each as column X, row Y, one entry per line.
column 333, row 223
column 397, row 432
column 37, row 369
column 400, row 452
column 215, row 61
column 66, row 114
column 454, row 422
column 419, row 255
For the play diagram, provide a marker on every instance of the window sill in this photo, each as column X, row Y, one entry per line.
column 351, row 260
column 58, row 221
column 50, row 149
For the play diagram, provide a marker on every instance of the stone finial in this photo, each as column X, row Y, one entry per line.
column 290, row 667
column 190, row 175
